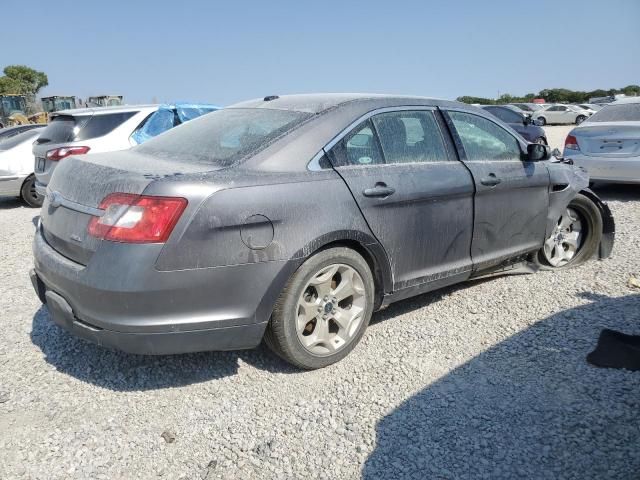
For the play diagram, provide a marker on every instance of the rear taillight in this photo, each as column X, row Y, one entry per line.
column 137, row 218
column 571, row 143
column 62, row 152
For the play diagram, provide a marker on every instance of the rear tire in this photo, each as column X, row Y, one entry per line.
column 310, row 326
column 580, row 119
column 581, row 219
column 28, row 193
column 542, row 121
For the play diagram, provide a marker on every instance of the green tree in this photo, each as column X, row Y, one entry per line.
column 22, row 80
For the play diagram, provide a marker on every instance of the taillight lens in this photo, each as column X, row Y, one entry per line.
column 571, row 143
column 62, row 152
column 137, row 218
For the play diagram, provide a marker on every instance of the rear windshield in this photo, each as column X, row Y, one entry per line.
column 223, row 137
column 73, row 128
column 63, row 128
column 624, row 112
column 18, row 139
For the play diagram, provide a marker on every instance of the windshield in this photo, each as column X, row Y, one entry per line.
column 623, row 112
column 223, row 137
column 13, row 104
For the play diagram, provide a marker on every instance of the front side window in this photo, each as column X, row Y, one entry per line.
column 484, row 140
column 410, row 137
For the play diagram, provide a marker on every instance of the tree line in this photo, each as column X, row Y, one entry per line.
column 554, row 95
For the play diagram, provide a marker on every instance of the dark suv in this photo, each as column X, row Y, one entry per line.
column 519, row 121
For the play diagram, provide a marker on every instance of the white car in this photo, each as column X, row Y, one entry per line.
column 608, row 144
column 561, row 114
column 16, row 167
column 104, row 129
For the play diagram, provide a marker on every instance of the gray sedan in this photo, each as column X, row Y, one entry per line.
column 294, row 218
column 608, row 144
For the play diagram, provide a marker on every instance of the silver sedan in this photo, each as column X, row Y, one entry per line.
column 608, row 143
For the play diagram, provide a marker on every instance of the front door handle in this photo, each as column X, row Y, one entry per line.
column 380, row 190
column 491, row 180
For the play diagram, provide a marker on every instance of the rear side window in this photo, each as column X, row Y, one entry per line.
column 100, row 125
column 410, row 137
column 63, row 128
column 624, row 112
column 482, row 139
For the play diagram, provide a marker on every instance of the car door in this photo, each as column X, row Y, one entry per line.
column 512, row 194
column 564, row 115
column 413, row 192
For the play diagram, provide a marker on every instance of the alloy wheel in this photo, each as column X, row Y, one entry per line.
column 330, row 309
column 565, row 240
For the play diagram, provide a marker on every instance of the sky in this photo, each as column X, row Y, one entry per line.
column 224, row 52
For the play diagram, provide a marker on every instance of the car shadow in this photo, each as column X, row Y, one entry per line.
column 529, row 407
column 617, row 192
column 7, row 203
column 121, row 371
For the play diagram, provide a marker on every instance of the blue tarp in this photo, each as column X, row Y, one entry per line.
column 167, row 117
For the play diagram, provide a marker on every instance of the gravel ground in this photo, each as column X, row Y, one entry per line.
column 556, row 135
column 485, row 380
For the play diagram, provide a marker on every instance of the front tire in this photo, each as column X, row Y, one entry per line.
column 580, row 119
column 575, row 238
column 28, row 193
column 542, row 121
column 324, row 309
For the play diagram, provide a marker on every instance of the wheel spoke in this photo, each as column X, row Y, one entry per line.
column 322, row 281
column 572, row 239
column 346, row 318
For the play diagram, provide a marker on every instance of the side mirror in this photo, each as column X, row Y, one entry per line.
column 527, row 120
column 537, row 152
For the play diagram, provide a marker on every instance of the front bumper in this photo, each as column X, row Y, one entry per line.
column 121, row 301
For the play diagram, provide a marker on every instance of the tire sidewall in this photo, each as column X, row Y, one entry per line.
column 25, row 193
column 285, row 316
column 580, row 119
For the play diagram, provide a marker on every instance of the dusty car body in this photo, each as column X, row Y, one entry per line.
column 608, row 144
column 16, row 167
column 340, row 204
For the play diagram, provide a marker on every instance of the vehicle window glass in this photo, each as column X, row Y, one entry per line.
column 484, row 140
column 505, row 115
column 553, row 109
column 624, row 112
column 17, row 139
column 63, row 128
column 410, row 136
column 100, row 125
column 360, row 147
column 225, row 136
column 158, row 122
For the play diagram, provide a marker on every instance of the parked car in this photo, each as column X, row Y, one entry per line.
column 608, row 144
column 9, row 132
column 294, row 218
column 561, row 114
column 16, row 167
column 592, row 107
column 529, row 107
column 104, row 129
column 519, row 121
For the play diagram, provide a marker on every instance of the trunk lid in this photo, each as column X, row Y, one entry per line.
column 81, row 183
column 615, row 140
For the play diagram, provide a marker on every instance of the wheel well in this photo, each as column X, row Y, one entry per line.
column 376, row 268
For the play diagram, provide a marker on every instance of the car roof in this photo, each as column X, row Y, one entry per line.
column 320, row 102
column 105, row 110
column 626, row 100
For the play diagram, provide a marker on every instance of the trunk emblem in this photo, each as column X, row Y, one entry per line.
column 55, row 199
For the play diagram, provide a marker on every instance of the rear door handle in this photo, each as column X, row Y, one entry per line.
column 491, row 180
column 380, row 190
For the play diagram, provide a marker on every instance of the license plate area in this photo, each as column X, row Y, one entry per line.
column 39, row 164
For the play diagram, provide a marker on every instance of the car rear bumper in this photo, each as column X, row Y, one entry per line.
column 608, row 169
column 142, row 310
column 11, row 184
